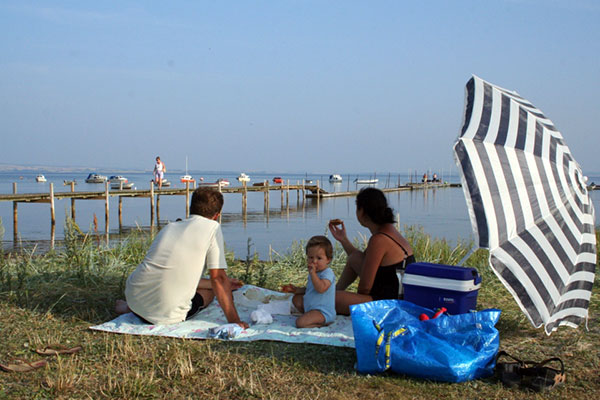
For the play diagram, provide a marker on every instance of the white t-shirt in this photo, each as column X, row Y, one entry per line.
column 162, row 286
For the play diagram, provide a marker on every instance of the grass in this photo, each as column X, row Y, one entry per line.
column 54, row 298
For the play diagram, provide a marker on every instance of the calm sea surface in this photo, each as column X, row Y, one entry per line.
column 441, row 212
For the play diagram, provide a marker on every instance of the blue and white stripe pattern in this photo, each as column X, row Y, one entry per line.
column 528, row 204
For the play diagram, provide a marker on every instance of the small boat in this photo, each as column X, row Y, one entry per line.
column 243, row 177
column 335, row 178
column 40, row 178
column 308, row 181
column 95, row 178
column 366, row 181
column 278, row 179
column 219, row 182
column 121, row 185
column 187, row 178
column 263, row 183
column 165, row 183
column 117, row 179
column 67, row 183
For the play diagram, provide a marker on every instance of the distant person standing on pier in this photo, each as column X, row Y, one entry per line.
column 159, row 172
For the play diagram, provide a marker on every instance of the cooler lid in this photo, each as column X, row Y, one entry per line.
column 443, row 271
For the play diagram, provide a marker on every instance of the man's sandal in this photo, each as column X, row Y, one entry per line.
column 529, row 374
column 19, row 365
column 55, row 349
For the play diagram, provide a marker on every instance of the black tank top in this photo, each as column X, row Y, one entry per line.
column 386, row 284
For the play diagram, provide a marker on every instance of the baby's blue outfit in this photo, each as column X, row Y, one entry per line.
column 324, row 302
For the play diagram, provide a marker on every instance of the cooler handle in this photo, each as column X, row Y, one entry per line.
column 476, row 276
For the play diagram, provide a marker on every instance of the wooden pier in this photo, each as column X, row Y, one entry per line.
column 302, row 191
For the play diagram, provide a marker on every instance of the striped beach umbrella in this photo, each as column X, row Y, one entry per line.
column 528, row 204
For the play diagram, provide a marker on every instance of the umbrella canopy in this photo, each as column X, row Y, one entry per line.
column 528, row 204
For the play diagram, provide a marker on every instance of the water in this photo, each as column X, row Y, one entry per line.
column 442, row 212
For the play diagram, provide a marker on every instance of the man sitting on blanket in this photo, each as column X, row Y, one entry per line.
column 167, row 287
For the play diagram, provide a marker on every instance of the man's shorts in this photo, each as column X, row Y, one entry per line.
column 197, row 305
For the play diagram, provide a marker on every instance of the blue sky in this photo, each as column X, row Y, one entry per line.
column 288, row 86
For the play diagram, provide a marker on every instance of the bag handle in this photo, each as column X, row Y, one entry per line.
column 536, row 367
column 504, row 353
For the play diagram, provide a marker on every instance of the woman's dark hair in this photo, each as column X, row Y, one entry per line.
column 373, row 203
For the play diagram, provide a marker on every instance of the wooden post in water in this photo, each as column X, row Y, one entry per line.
column 52, row 235
column 73, row 201
column 120, row 213
column 297, row 192
column 52, row 211
column 158, row 210
column 106, row 197
column 151, row 204
column 244, row 200
column 267, row 195
column 287, row 195
column 187, row 199
column 15, row 216
column 318, row 195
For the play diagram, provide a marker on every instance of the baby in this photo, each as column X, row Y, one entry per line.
column 317, row 300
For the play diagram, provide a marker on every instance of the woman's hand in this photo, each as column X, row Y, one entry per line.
column 337, row 229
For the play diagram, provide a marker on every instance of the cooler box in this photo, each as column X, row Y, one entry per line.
column 435, row 285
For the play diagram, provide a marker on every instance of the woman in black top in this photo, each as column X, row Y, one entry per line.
column 386, row 252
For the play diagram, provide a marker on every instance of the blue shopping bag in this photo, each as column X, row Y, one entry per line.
column 452, row 348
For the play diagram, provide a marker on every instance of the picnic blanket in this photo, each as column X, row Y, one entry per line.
column 247, row 299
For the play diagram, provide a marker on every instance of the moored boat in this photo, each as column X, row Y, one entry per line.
column 187, row 178
column 243, row 177
column 216, row 184
column 117, row 179
column 121, row 185
column 165, row 183
column 40, row 178
column 334, row 178
column 366, row 181
column 278, row 179
column 95, row 178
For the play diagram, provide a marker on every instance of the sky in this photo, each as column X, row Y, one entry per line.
column 286, row 86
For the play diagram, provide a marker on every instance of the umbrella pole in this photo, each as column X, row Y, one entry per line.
column 466, row 257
